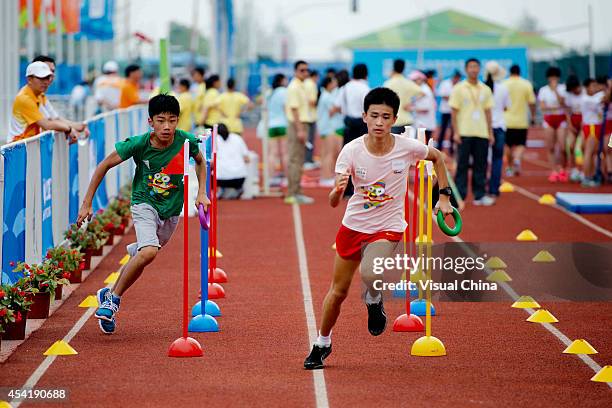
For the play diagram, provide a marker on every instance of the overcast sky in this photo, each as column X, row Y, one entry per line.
column 319, row 24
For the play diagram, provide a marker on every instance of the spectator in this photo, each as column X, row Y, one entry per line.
column 277, row 126
column 231, row 105
column 78, row 98
column 232, row 157
column 130, row 94
column 328, row 126
column 185, row 121
column 107, row 87
column 198, row 89
column 471, row 102
column 157, row 89
column 312, row 93
column 407, row 91
column 211, row 113
column 296, row 109
column 444, row 91
column 425, row 106
column 28, row 118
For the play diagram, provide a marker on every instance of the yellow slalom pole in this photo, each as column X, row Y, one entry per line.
column 429, row 241
column 421, row 220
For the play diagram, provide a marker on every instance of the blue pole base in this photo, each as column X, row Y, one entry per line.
column 399, row 293
column 419, row 307
column 203, row 324
column 211, row 309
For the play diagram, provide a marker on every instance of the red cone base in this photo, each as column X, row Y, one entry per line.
column 408, row 323
column 185, row 347
column 219, row 276
column 215, row 291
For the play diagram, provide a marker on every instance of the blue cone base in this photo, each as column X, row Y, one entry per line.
column 399, row 293
column 419, row 307
column 203, row 324
column 211, row 309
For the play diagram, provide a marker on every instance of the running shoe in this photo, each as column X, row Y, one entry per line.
column 553, row 177
column 485, row 201
column 575, row 175
column 377, row 319
column 109, row 306
column 106, row 326
column 589, row 182
column 563, row 176
column 517, row 168
column 509, row 172
column 315, row 359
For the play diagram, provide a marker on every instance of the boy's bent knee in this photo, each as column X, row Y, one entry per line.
column 148, row 253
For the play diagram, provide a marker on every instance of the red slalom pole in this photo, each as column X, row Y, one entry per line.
column 215, row 291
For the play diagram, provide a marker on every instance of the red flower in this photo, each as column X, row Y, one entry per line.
column 2, row 294
column 18, row 317
column 61, row 265
column 22, row 293
column 49, row 256
column 66, row 275
column 100, row 212
column 12, row 263
column 2, row 312
column 27, row 267
column 43, row 285
column 82, row 265
column 14, row 289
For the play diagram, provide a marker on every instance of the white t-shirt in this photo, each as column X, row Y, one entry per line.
column 48, row 110
column 230, row 157
column 501, row 99
column 592, row 109
column 107, row 90
column 574, row 101
column 380, row 184
column 550, row 100
column 427, row 101
column 350, row 97
column 444, row 90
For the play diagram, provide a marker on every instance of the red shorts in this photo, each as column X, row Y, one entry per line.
column 349, row 242
column 576, row 119
column 595, row 130
column 555, row 121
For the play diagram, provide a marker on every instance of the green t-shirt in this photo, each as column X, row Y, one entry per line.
column 151, row 185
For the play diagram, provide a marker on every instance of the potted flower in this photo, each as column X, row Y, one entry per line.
column 14, row 306
column 85, row 241
column 97, row 228
column 42, row 280
column 121, row 207
column 70, row 265
column 110, row 222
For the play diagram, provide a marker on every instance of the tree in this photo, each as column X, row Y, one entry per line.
column 180, row 38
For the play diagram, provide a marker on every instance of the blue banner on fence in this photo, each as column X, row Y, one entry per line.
column 97, row 137
column 13, row 233
column 46, row 171
column 97, row 19
column 73, row 184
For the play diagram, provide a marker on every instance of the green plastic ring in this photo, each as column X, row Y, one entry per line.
column 451, row 232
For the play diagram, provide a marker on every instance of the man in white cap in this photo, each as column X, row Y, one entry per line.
column 107, row 87
column 28, row 118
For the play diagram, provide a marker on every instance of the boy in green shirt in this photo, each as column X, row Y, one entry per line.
column 157, row 197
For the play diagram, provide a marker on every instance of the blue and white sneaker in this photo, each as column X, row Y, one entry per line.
column 109, row 306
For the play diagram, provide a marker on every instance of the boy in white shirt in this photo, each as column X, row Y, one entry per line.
column 592, row 117
column 379, row 163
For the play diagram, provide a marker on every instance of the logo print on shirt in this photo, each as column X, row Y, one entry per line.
column 361, row 172
column 375, row 195
column 160, row 184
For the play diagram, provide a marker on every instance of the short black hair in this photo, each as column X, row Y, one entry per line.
column 185, row 83
column 44, row 58
column 298, row 63
column 572, row 82
column 602, row 79
column 277, row 80
column 382, row 96
column 515, row 70
column 476, row 60
column 131, row 68
column 430, row 73
column 314, row 73
column 199, row 70
column 326, row 81
column 399, row 65
column 553, row 72
column 231, row 83
column 163, row 103
column 457, row 73
column 330, row 71
column 222, row 131
column 360, row 71
column 210, row 81
column 587, row 82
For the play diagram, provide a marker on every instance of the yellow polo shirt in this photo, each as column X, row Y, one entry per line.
column 199, row 103
column 521, row 95
column 231, row 104
column 312, row 93
column 297, row 98
column 26, row 112
column 407, row 90
column 211, row 101
column 186, row 104
column 471, row 101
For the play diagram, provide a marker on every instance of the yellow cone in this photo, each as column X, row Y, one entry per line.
column 580, row 346
column 499, row 275
column 495, row 263
column 543, row 256
column 542, row 316
column 219, row 254
column 422, row 239
column 526, row 235
column 124, row 260
column 526, row 302
column 428, row 346
column 89, row 301
column 112, row 278
column 604, row 375
column 506, row 187
column 334, row 246
column 4, row 404
column 547, row 199
column 60, row 348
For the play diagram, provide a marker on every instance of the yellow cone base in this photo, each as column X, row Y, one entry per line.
column 495, row 263
column 547, row 199
column 4, row 404
column 604, row 375
column 423, row 240
column 428, row 346
column 526, row 302
column 542, row 316
column 112, row 278
column 506, row 188
column 89, row 301
column 499, row 276
column 124, row 260
column 580, row 346
column 544, row 256
column 60, row 348
column 527, row 235
column 219, row 254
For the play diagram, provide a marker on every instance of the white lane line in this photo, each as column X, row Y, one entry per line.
column 577, row 217
column 514, row 296
column 317, row 375
column 46, row 363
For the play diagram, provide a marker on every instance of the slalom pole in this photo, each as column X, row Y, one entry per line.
column 216, row 291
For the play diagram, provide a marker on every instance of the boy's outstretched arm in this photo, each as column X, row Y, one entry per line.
column 436, row 158
column 86, row 211
column 202, row 198
column 337, row 192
